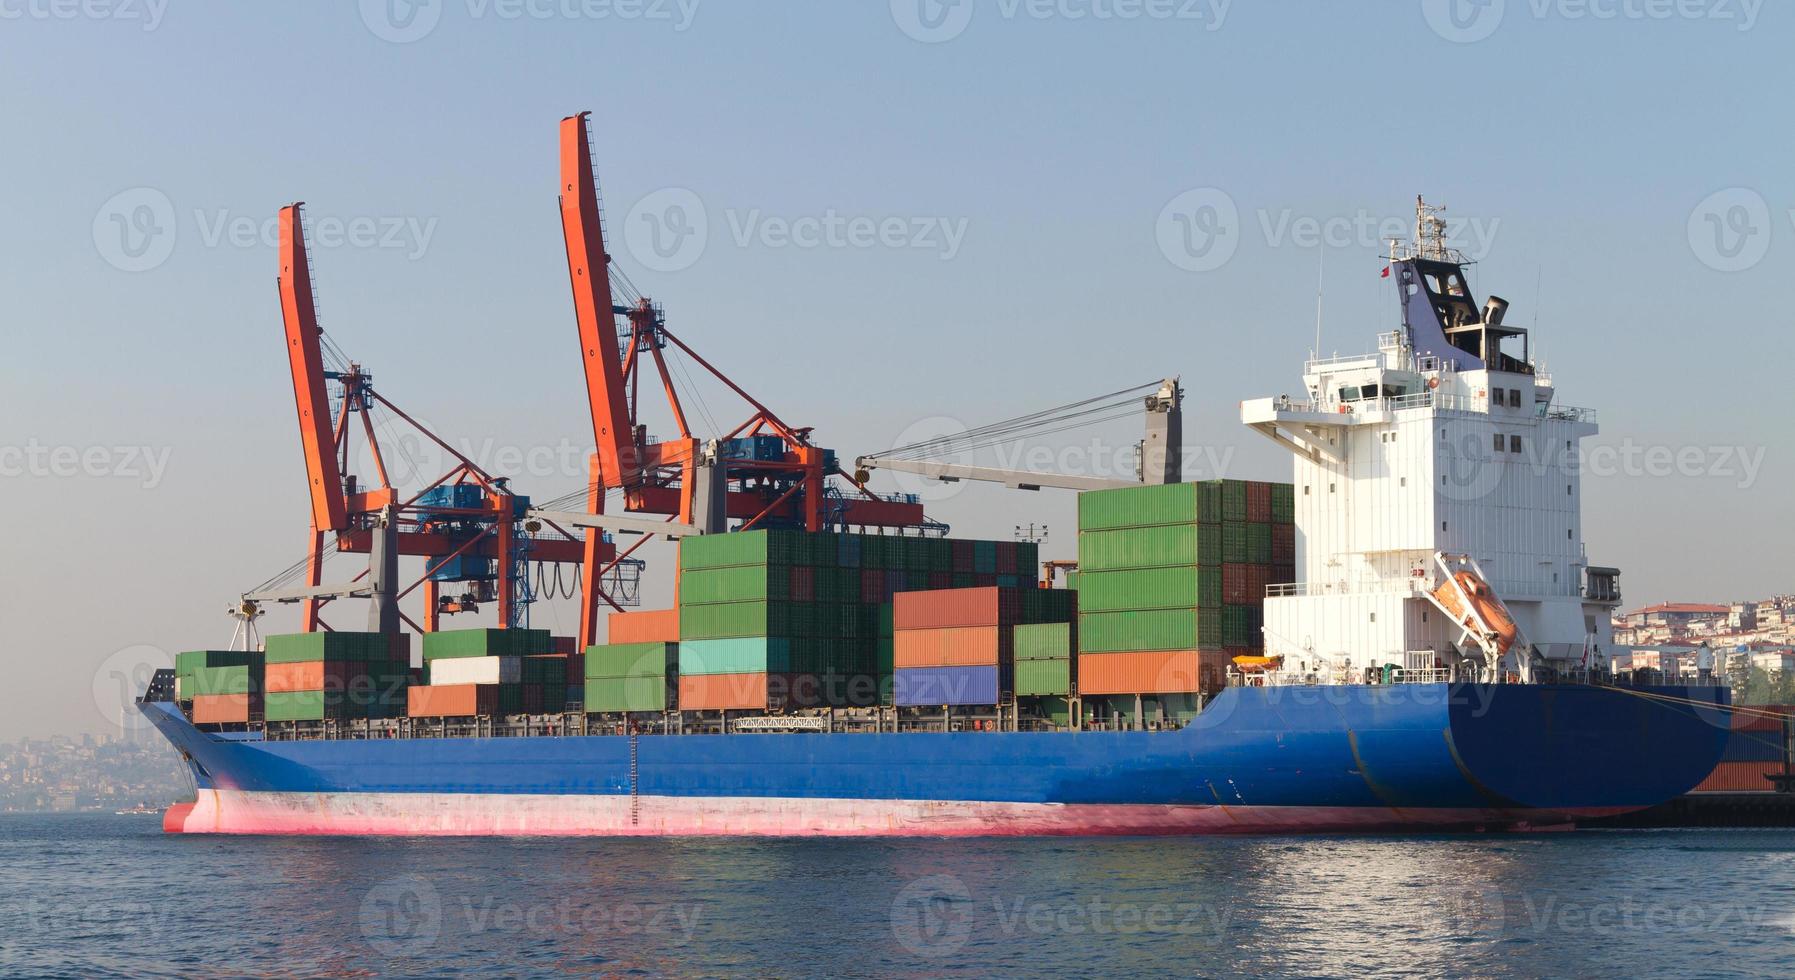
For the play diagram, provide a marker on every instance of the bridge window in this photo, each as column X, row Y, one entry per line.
column 1514, row 444
column 1499, row 442
column 1514, row 398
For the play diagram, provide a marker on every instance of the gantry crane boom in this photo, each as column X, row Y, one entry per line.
column 310, row 396
column 589, row 272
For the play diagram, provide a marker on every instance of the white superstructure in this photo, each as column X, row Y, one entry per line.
column 1444, row 449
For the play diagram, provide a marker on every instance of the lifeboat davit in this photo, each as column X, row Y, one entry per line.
column 1488, row 608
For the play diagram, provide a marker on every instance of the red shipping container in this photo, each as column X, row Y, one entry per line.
column 1167, row 672
column 803, row 584
column 224, row 709
column 939, row 608
column 452, row 700
column 1741, row 777
column 566, row 646
column 1258, row 576
column 1006, row 557
column 1237, row 586
column 872, row 585
column 1258, row 502
column 953, row 646
column 962, row 555
column 1283, row 544
column 652, row 626
column 719, row 692
column 576, row 669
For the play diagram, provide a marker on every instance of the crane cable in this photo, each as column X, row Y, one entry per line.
column 1078, row 412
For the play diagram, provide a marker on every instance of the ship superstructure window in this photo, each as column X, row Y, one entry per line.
column 1514, row 398
column 1514, row 444
column 1500, row 442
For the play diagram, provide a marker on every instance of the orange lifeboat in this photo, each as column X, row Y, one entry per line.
column 1258, row 665
column 1484, row 602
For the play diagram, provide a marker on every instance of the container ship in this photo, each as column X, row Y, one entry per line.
column 1406, row 636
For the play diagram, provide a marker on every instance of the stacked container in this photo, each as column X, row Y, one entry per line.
column 792, row 619
column 336, row 676
column 1756, row 749
column 624, row 677
column 957, row 646
column 1172, row 581
column 1044, row 659
column 490, row 672
column 225, row 686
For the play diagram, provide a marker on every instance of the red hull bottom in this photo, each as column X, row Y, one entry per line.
column 476, row 815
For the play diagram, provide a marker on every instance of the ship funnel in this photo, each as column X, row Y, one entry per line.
column 1494, row 311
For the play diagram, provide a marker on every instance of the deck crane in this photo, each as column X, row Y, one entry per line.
column 763, row 472
column 469, row 525
column 1157, row 457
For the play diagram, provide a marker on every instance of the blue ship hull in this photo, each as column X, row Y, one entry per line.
column 1255, row 760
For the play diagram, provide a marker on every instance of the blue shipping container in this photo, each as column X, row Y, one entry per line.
column 923, row 686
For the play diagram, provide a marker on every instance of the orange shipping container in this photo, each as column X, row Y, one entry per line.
column 943, row 608
column 717, row 692
column 451, row 700
column 305, row 675
column 653, row 626
column 1738, row 777
column 219, row 709
column 1166, row 672
column 960, row 646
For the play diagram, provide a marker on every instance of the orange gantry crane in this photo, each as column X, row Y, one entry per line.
column 763, row 472
column 470, row 527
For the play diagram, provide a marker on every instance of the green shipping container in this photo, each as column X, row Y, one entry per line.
column 1159, row 629
column 487, row 643
column 1149, row 547
column 616, row 660
column 301, row 706
column 191, row 660
column 735, row 583
column 770, row 547
column 1235, row 546
column 1043, row 641
column 1151, row 588
column 334, row 647
column 1259, row 544
column 628, row 694
column 1040, row 677
column 1283, row 503
column 1234, row 500
column 730, row 619
column 1241, row 627
column 1144, row 506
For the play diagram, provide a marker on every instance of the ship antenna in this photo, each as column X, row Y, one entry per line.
column 1320, row 272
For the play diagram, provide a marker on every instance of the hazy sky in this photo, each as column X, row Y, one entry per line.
column 872, row 214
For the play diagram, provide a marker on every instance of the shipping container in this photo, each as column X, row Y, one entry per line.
column 927, row 686
column 1040, row 677
column 1169, row 672
column 191, row 660
column 722, row 692
column 605, row 694
column 1188, row 587
column 935, row 609
column 338, row 645
column 632, row 659
column 649, row 626
column 456, row 671
column 953, row 646
column 207, row 681
column 452, row 701
column 224, row 709
column 1043, row 641
column 447, row 644
column 1741, row 777
column 1159, row 629
column 1150, row 547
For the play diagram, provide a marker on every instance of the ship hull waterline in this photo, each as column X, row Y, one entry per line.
column 1406, row 758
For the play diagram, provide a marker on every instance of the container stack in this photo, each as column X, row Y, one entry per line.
column 224, row 686
column 956, row 647
column 1172, row 581
column 490, row 672
column 337, row 676
column 1756, row 749
column 1046, row 660
column 778, row 619
column 630, row 677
